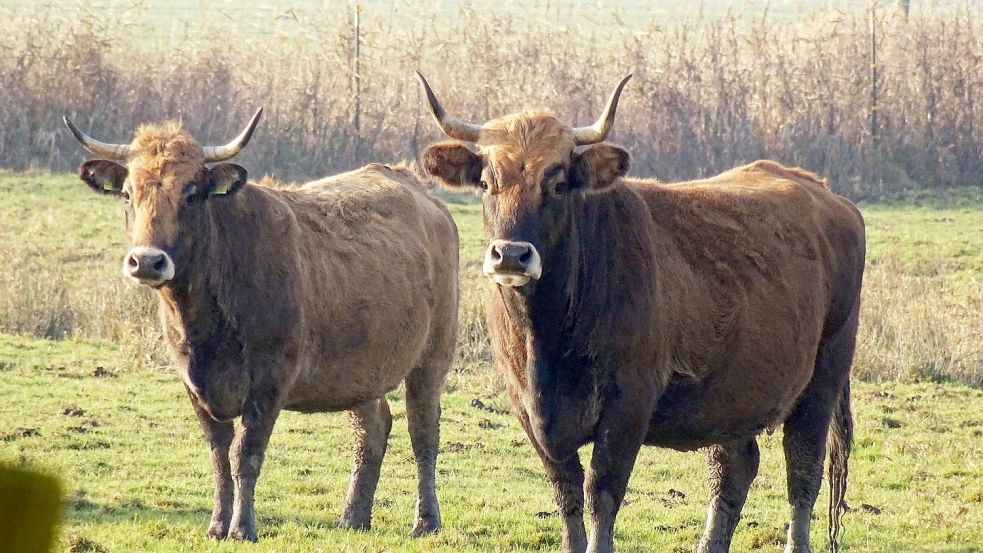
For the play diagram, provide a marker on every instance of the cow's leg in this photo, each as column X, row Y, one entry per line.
column 567, row 480
column 423, row 388
column 248, row 450
column 732, row 467
column 806, row 430
column 219, row 436
column 805, row 449
column 371, row 423
column 617, row 439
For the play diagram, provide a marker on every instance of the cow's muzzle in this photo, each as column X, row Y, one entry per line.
column 512, row 263
column 147, row 265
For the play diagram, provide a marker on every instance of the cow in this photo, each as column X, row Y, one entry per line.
column 695, row 315
column 318, row 298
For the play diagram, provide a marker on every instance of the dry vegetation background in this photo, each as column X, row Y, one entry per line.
column 709, row 92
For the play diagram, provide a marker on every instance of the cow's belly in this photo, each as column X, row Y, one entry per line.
column 720, row 409
column 340, row 375
column 336, row 389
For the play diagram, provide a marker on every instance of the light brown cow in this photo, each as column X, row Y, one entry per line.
column 628, row 312
column 319, row 298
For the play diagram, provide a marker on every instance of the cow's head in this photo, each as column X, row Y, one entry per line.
column 529, row 174
column 167, row 191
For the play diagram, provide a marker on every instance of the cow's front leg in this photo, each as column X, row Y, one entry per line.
column 219, row 436
column 248, row 449
column 617, row 439
column 567, row 480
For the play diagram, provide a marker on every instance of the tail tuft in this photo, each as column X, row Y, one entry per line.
column 840, row 442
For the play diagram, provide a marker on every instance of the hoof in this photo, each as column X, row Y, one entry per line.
column 425, row 527
column 356, row 524
column 243, row 534
column 713, row 546
column 217, row 531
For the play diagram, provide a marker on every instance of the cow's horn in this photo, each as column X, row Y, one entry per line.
column 600, row 129
column 452, row 126
column 101, row 149
column 228, row 151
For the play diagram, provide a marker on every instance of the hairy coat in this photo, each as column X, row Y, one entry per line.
column 317, row 298
column 687, row 315
column 342, row 270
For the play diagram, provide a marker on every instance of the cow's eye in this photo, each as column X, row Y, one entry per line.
column 125, row 195
column 190, row 199
column 483, row 185
column 552, row 173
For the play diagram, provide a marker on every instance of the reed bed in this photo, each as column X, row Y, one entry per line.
column 708, row 92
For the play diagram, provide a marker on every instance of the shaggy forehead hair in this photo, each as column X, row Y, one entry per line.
column 164, row 155
column 523, row 141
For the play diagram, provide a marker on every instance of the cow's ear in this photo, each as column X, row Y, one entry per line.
column 102, row 176
column 225, row 179
column 453, row 164
column 599, row 166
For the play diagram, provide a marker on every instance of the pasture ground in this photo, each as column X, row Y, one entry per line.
column 96, row 407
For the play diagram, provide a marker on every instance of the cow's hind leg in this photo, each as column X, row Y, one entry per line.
column 423, row 388
column 732, row 468
column 806, row 432
column 371, row 423
column 805, row 449
column 219, row 436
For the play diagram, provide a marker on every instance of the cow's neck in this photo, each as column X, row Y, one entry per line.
column 572, row 324
column 588, row 280
column 192, row 306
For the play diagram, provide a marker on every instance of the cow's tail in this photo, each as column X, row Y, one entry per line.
column 840, row 442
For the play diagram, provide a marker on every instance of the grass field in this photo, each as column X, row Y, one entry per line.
column 95, row 404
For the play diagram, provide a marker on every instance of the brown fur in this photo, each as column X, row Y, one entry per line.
column 688, row 315
column 317, row 298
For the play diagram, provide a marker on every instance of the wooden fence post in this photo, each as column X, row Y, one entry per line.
column 357, row 76
column 875, row 158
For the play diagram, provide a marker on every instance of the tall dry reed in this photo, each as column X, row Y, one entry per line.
column 708, row 93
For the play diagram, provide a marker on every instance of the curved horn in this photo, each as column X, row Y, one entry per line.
column 228, row 151
column 452, row 126
column 600, row 129
column 101, row 149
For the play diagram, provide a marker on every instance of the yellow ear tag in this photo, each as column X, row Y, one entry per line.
column 108, row 186
column 222, row 188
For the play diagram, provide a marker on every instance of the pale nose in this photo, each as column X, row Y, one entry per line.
column 146, row 265
column 511, row 257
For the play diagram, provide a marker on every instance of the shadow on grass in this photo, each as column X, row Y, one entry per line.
column 174, row 518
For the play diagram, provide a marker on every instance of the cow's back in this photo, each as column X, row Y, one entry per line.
column 379, row 257
column 757, row 265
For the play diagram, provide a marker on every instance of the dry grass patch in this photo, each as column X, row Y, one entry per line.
column 61, row 248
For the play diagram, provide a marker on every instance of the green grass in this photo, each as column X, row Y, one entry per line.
column 139, row 476
column 930, row 232
column 138, row 473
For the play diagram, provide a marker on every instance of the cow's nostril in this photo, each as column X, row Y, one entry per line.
column 160, row 264
column 496, row 254
column 526, row 257
column 132, row 262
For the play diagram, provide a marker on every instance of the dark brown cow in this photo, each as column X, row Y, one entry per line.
column 628, row 312
column 319, row 298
